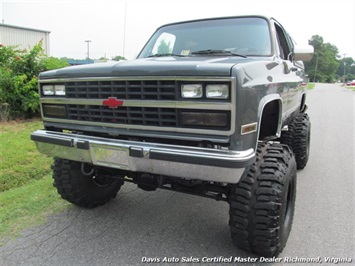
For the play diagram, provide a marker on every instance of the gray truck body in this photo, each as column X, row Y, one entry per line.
column 131, row 115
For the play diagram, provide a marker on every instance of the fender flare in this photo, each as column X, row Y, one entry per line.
column 263, row 103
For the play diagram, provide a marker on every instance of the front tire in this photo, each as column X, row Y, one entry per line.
column 262, row 204
column 82, row 185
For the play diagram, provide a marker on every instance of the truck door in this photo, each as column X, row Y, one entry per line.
column 291, row 72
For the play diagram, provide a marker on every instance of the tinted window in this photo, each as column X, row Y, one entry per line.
column 282, row 38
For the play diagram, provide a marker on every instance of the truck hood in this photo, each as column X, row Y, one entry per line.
column 162, row 66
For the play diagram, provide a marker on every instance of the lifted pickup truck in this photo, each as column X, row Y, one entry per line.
column 212, row 107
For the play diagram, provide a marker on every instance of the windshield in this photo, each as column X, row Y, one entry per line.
column 247, row 36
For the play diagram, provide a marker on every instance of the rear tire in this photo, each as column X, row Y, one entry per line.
column 298, row 138
column 83, row 187
column 262, row 204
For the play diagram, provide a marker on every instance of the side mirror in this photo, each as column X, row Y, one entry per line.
column 303, row 53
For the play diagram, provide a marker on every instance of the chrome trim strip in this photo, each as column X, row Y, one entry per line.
column 152, row 128
column 172, row 160
column 144, row 103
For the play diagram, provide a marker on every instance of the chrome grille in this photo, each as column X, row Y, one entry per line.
column 164, row 117
column 143, row 103
column 124, row 89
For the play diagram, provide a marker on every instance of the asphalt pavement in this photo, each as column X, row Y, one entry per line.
column 169, row 228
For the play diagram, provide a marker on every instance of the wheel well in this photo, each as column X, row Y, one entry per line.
column 270, row 120
column 303, row 102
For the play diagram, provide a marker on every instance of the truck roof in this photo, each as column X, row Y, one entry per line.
column 216, row 18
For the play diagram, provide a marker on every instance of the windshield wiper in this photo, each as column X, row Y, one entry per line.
column 167, row 54
column 216, row 52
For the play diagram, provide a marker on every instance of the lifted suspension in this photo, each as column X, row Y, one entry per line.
column 217, row 192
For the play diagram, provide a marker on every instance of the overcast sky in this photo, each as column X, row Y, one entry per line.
column 103, row 22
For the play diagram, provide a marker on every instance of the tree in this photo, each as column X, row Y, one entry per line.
column 347, row 67
column 164, row 47
column 324, row 64
column 118, row 58
column 102, row 58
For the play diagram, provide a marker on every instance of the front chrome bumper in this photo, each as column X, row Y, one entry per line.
column 178, row 161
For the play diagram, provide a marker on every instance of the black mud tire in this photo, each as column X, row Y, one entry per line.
column 262, row 203
column 87, row 190
column 298, row 138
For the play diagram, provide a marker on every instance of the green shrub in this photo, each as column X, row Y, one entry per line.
column 19, row 70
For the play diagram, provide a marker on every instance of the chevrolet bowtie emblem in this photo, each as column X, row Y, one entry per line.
column 112, row 102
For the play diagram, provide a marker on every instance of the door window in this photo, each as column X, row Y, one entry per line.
column 285, row 51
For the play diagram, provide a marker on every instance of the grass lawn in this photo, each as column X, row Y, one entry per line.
column 311, row 86
column 28, row 206
column 20, row 162
column 350, row 87
column 27, row 196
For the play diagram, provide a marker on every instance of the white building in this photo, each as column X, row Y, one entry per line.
column 24, row 38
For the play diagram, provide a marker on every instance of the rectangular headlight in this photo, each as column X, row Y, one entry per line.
column 204, row 119
column 48, row 90
column 191, row 91
column 217, row 91
column 59, row 90
column 58, row 111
